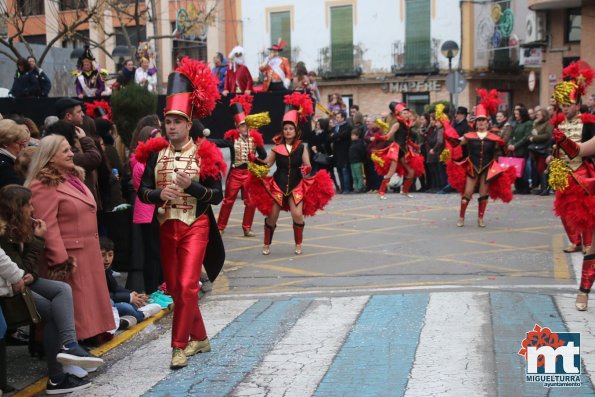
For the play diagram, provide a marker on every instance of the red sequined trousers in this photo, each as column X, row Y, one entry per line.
column 236, row 181
column 182, row 252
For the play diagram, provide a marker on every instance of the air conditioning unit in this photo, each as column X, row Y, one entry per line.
column 535, row 26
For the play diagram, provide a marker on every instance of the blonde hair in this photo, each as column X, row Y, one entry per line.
column 11, row 132
column 47, row 149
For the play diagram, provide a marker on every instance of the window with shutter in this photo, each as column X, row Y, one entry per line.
column 418, row 42
column 281, row 28
column 342, row 39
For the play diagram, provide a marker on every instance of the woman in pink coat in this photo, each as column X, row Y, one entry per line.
column 71, row 251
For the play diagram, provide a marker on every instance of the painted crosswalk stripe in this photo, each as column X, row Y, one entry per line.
column 514, row 314
column 240, row 347
column 298, row 362
column 376, row 358
column 123, row 375
column 453, row 357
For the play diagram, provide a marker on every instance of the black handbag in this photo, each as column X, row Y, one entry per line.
column 19, row 310
column 540, row 148
column 322, row 159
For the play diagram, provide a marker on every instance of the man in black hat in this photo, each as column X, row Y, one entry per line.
column 461, row 125
column 70, row 110
column 88, row 82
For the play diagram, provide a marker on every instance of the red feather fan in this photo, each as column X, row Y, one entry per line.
column 588, row 118
column 205, row 94
column 303, row 102
column 245, row 100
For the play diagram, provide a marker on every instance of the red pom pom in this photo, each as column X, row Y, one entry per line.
column 245, row 100
column 588, row 118
column 581, row 73
column 205, row 94
column 557, row 119
column 144, row 149
column 303, row 102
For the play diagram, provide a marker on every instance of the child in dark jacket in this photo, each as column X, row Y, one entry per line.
column 132, row 307
column 357, row 157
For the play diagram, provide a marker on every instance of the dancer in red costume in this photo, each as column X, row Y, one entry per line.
column 183, row 178
column 289, row 188
column 384, row 156
column 242, row 143
column 410, row 164
column 480, row 166
column 572, row 175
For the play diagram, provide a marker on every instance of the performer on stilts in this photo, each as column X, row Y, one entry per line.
column 480, row 167
column 290, row 188
column 183, row 179
column 571, row 174
column 410, row 164
column 243, row 142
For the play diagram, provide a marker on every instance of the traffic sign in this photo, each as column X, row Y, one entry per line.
column 455, row 82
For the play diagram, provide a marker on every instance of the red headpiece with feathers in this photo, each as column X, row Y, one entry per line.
column 245, row 100
column 581, row 74
column 191, row 90
column 301, row 104
column 279, row 46
column 489, row 100
column 99, row 109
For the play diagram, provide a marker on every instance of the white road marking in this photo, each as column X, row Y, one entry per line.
column 296, row 365
column 453, row 354
column 149, row 364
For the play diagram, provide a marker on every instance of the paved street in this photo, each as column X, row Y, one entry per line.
column 388, row 299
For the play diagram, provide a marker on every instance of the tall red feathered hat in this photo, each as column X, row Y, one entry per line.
column 99, row 109
column 488, row 103
column 279, row 46
column 298, row 107
column 191, row 90
column 241, row 105
column 577, row 77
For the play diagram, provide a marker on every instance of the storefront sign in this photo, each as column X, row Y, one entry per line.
column 415, row 86
column 531, row 57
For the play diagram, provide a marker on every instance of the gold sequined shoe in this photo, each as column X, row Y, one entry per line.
column 582, row 301
column 178, row 359
column 266, row 249
column 249, row 233
column 197, row 346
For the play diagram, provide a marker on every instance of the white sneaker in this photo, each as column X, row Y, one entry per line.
column 382, row 197
column 75, row 370
column 150, row 310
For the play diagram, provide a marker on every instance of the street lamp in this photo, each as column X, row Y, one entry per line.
column 449, row 49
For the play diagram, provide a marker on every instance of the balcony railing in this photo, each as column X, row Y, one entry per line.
column 340, row 61
column 505, row 60
column 415, row 57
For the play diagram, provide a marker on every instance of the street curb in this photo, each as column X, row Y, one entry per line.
column 39, row 386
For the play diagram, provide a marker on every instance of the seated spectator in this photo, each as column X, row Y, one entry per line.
column 13, row 139
column 22, row 238
column 62, row 200
column 132, row 306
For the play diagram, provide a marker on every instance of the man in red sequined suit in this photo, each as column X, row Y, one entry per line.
column 183, row 179
column 242, row 145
